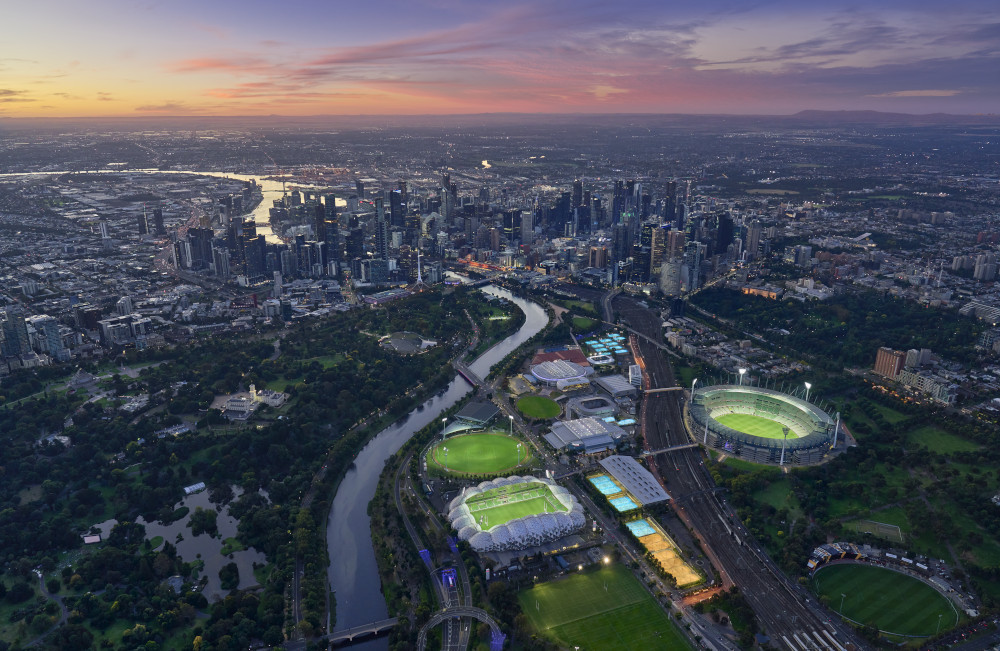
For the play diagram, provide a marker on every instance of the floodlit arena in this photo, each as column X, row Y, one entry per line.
column 513, row 513
column 749, row 422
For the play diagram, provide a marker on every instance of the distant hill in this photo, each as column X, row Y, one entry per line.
column 894, row 119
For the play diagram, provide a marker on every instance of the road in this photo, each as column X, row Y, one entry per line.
column 786, row 611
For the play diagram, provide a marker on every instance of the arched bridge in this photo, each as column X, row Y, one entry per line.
column 347, row 636
column 496, row 635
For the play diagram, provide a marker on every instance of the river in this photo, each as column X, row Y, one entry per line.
column 353, row 574
column 270, row 190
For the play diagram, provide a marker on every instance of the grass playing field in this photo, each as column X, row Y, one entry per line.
column 893, row 602
column 506, row 503
column 606, row 609
column 484, row 453
column 754, row 426
column 538, row 407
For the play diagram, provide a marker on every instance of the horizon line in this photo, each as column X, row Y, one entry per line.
column 492, row 113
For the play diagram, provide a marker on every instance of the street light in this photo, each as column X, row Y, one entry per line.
column 842, row 595
column 742, row 373
column 808, row 386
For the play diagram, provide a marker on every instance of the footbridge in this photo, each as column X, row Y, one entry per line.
column 663, row 390
column 672, row 448
column 497, row 636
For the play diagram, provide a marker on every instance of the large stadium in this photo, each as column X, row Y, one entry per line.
column 755, row 424
column 512, row 513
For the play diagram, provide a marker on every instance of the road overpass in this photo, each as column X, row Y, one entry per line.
column 350, row 635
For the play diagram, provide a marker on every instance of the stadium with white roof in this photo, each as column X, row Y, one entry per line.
column 521, row 533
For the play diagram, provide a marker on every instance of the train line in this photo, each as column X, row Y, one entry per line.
column 786, row 611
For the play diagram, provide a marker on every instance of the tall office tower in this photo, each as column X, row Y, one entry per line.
column 220, row 259
column 598, row 257
column 124, row 306
column 889, row 362
column 288, row 262
column 657, row 249
column 355, row 244
column 404, row 194
column 670, row 277
column 319, row 222
column 359, row 187
column 278, row 282
column 295, row 197
column 15, row 333
column 49, row 337
column 103, row 225
column 381, row 232
column 753, row 239
column 141, row 222
column 693, row 254
column 527, row 228
column 670, row 205
column 724, row 233
column 395, row 209
column 675, row 244
column 200, row 240
column 618, row 203
column 511, row 224
column 158, row 221
column 577, row 193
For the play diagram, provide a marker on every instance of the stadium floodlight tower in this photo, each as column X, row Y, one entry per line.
column 743, row 372
column 808, row 386
column 511, row 417
column 444, row 424
column 693, row 382
column 784, row 430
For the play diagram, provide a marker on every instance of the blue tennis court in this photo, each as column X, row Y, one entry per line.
column 604, row 484
column 623, row 504
column 620, row 351
column 640, row 528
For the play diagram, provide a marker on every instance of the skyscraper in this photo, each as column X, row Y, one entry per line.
column 381, row 232
column 15, row 333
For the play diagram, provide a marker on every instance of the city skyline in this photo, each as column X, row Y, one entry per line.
column 119, row 58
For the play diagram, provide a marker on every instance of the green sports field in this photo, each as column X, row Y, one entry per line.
column 484, row 453
column 538, row 407
column 755, row 426
column 606, row 609
column 506, row 503
column 893, row 602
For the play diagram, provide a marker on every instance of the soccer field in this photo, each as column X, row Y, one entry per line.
column 484, row 453
column 595, row 611
column 755, row 426
column 893, row 602
column 501, row 505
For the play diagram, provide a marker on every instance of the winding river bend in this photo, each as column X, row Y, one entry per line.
column 353, row 573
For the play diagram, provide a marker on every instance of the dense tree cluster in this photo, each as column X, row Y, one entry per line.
column 847, row 329
column 116, row 466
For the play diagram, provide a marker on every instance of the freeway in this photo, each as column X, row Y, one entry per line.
column 786, row 611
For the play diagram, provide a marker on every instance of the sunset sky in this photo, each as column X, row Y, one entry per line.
column 296, row 57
